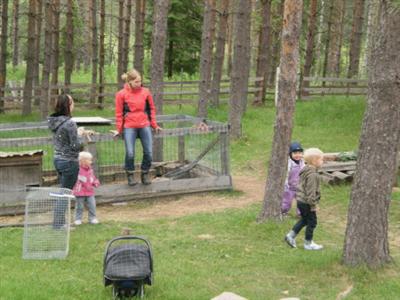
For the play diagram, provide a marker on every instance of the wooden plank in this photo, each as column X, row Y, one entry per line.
column 338, row 166
column 327, row 90
column 328, row 178
column 341, row 175
column 335, row 79
column 91, row 121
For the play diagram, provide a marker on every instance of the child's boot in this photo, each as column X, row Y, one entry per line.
column 131, row 178
column 290, row 239
column 310, row 245
column 145, row 177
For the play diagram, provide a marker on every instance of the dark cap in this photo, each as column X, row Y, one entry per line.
column 295, row 147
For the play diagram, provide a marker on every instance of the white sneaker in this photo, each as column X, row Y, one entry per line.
column 78, row 222
column 290, row 241
column 312, row 246
column 94, row 221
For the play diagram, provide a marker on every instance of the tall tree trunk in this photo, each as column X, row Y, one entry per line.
column 38, row 32
column 366, row 240
column 158, row 41
column 69, row 45
column 86, row 50
column 95, row 50
column 102, row 51
column 219, row 51
column 321, row 30
column 276, row 40
column 44, row 102
column 289, row 64
column 230, row 42
column 170, row 55
column 263, row 52
column 127, row 33
column 312, row 26
column 158, row 45
column 240, row 66
column 15, row 35
column 110, row 50
column 355, row 40
column 139, row 34
column 335, row 37
column 330, row 12
column 3, row 52
column 30, row 60
column 121, row 67
column 373, row 12
column 212, row 36
column 205, row 60
column 55, row 48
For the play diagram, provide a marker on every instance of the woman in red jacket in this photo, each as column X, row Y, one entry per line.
column 135, row 115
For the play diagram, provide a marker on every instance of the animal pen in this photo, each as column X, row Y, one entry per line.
column 189, row 155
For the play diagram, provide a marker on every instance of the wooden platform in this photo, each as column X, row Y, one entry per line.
column 13, row 203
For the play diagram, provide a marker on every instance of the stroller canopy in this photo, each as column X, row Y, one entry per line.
column 128, row 262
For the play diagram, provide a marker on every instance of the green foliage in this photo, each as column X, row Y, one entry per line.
column 346, row 156
column 202, row 255
column 183, row 36
column 332, row 124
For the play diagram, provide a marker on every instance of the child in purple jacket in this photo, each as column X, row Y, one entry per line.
column 84, row 189
column 295, row 165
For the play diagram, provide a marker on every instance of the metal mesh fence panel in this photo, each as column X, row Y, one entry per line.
column 47, row 223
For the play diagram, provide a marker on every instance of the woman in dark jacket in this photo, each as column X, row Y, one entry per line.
column 67, row 144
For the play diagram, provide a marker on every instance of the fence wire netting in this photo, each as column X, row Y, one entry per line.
column 187, row 147
column 47, row 223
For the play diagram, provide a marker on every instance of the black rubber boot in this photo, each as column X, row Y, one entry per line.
column 131, row 178
column 145, row 177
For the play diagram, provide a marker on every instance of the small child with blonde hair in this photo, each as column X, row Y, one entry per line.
column 308, row 196
column 84, row 189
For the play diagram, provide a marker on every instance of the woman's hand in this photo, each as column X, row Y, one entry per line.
column 116, row 134
column 158, row 129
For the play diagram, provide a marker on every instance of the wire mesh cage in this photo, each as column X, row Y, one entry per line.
column 47, row 223
column 190, row 155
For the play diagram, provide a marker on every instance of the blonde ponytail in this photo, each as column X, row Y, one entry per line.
column 130, row 75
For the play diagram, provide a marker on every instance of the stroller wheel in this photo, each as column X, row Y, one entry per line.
column 114, row 293
column 141, row 291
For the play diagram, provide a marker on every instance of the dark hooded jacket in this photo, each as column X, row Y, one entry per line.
column 308, row 190
column 66, row 142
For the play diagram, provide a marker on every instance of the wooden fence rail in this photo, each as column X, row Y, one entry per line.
column 323, row 86
column 174, row 91
column 183, row 92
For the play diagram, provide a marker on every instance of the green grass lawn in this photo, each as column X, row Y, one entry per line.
column 238, row 254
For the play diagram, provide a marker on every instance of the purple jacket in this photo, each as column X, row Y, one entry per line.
column 86, row 182
column 293, row 174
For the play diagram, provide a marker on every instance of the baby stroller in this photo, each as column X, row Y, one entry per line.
column 128, row 266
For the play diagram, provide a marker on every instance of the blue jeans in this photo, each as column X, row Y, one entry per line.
column 67, row 171
column 144, row 134
column 90, row 204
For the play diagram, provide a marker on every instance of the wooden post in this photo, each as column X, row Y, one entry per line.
column 224, row 142
column 181, row 148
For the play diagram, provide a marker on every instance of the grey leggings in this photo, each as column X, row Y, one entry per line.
column 89, row 202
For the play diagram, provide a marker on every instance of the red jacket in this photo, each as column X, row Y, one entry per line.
column 86, row 182
column 137, row 116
